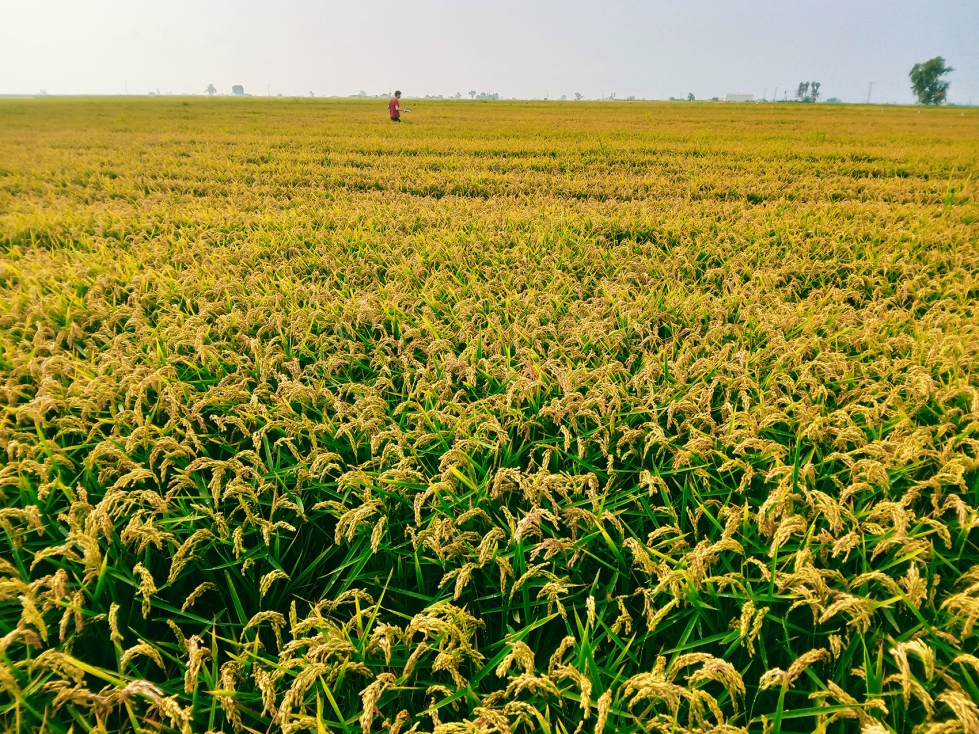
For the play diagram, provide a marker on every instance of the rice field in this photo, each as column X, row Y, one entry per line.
column 518, row 417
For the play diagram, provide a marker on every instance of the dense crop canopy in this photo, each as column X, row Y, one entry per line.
column 515, row 417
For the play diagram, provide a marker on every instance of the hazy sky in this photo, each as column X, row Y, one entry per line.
column 517, row 48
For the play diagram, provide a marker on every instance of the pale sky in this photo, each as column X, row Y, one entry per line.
column 517, row 48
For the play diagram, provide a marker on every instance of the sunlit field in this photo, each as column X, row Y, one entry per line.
column 516, row 417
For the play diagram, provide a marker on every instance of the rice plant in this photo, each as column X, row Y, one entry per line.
column 623, row 418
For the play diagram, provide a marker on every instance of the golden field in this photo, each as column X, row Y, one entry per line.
column 516, row 417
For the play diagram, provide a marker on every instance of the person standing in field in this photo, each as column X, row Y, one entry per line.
column 394, row 107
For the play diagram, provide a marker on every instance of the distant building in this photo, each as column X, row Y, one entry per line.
column 739, row 98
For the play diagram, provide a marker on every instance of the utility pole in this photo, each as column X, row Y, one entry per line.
column 869, row 91
column 127, row 88
column 764, row 97
column 775, row 96
column 269, row 87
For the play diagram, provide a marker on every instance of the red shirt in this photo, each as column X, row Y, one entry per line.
column 393, row 107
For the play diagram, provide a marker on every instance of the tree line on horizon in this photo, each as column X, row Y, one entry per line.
column 927, row 83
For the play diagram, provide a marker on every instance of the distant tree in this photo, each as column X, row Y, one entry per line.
column 472, row 93
column 311, row 94
column 458, row 95
column 808, row 92
column 238, row 90
column 578, row 96
column 563, row 98
column 690, row 97
column 927, row 83
column 211, row 90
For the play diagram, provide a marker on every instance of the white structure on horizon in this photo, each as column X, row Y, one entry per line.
column 739, row 98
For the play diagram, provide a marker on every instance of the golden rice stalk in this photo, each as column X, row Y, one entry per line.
column 581, row 680
column 654, row 686
column 114, row 633
column 145, row 649
column 604, row 704
column 859, row 610
column 73, row 610
column 266, row 684
column 352, row 519
column 908, row 684
column 536, row 685
column 489, row 544
column 566, row 644
column 268, row 579
column 60, row 664
column 231, row 672
column 181, row 640
column 450, row 660
column 640, row 556
column 275, row 620
column 185, row 552
column 9, row 683
column 197, row 594
column 197, row 655
column 8, row 569
column 399, row 721
column 964, row 607
column 724, row 673
column 776, row 676
column 30, row 614
column 146, row 587
column 624, row 621
column 965, row 710
column 369, row 698
column 461, row 575
column 520, row 654
column 835, row 645
column 180, row 718
column 377, row 534
column 414, row 658
column 915, row 587
column 383, row 637
column 789, row 526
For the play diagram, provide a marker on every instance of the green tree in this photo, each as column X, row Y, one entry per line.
column 211, row 90
column 690, row 97
column 238, row 90
column 808, row 92
column 927, row 82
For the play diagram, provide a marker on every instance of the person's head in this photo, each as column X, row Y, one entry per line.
column 398, row 94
